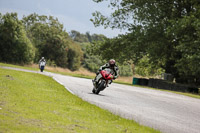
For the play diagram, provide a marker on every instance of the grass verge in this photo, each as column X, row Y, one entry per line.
column 18, row 66
column 35, row 103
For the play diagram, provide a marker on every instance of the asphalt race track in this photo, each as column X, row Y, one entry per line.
column 165, row 111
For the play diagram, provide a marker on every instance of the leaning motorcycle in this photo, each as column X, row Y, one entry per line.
column 103, row 82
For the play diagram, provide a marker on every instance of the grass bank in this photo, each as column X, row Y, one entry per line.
column 35, row 103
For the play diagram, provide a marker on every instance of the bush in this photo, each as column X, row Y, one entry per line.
column 93, row 63
column 145, row 68
column 51, row 63
column 125, row 70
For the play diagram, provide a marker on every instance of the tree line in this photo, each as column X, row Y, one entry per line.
column 35, row 36
column 163, row 33
column 25, row 41
column 93, row 61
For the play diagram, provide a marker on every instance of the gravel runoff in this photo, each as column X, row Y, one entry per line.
column 164, row 111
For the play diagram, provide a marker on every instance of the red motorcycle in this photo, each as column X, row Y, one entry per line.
column 103, row 82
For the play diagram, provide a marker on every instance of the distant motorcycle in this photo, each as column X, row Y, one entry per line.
column 42, row 65
column 106, row 79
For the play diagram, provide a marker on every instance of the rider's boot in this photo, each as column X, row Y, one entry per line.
column 96, row 80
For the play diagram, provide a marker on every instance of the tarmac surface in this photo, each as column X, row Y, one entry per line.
column 161, row 110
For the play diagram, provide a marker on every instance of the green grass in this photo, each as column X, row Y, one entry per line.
column 18, row 66
column 36, row 69
column 35, row 103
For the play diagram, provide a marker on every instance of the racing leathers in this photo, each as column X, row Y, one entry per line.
column 114, row 71
column 42, row 62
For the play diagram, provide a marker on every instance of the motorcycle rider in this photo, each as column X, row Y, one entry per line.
column 42, row 63
column 114, row 70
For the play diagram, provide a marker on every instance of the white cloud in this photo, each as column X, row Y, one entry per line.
column 69, row 22
column 73, row 24
column 20, row 13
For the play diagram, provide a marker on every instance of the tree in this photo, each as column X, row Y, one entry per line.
column 85, row 38
column 52, row 41
column 78, row 37
column 74, row 56
column 89, row 36
column 165, row 31
column 15, row 47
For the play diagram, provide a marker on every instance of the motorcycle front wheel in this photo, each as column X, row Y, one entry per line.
column 100, row 87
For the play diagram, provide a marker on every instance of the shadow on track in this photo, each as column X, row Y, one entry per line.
column 96, row 94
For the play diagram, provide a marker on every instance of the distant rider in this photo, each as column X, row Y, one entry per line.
column 114, row 70
column 42, row 63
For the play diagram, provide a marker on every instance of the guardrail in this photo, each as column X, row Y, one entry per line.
column 166, row 85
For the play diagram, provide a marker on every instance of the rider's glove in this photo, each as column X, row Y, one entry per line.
column 115, row 77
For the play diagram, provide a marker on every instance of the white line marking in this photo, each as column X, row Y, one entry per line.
column 63, row 85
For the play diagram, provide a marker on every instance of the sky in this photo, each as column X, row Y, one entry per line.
column 73, row 14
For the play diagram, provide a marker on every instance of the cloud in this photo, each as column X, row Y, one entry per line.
column 69, row 22
column 20, row 13
column 43, row 10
